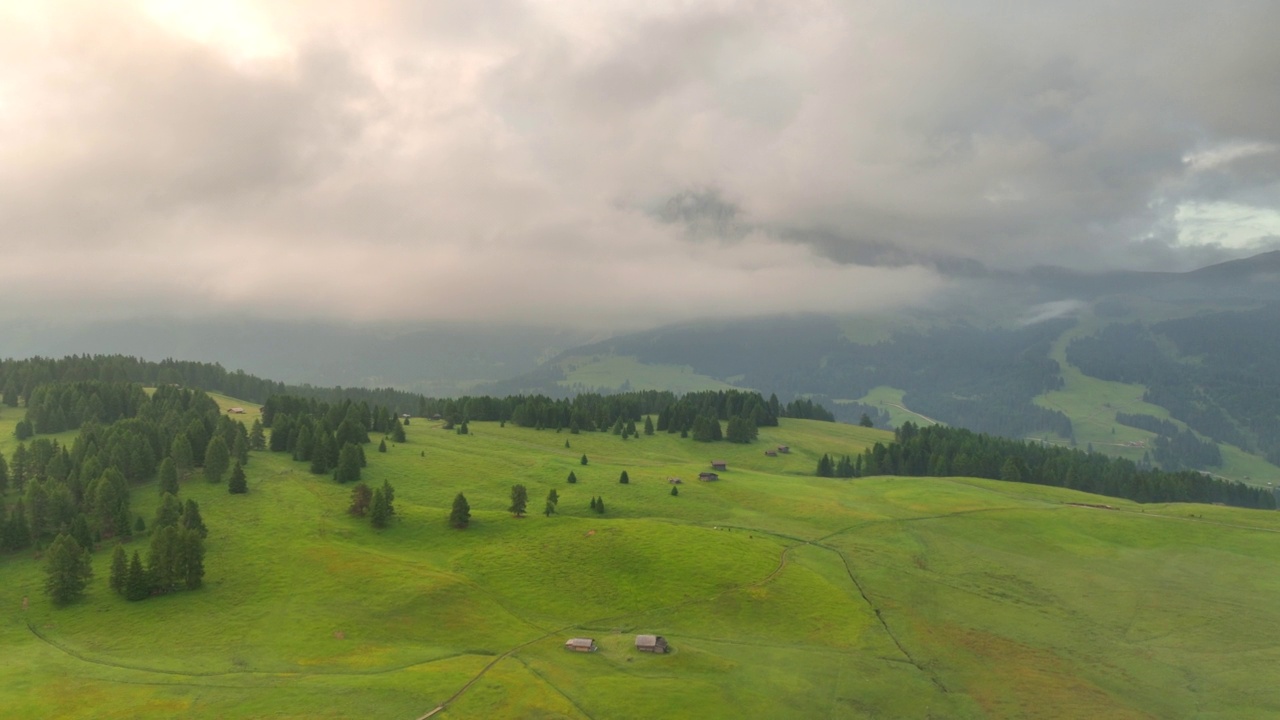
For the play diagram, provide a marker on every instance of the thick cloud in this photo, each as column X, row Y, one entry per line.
column 615, row 164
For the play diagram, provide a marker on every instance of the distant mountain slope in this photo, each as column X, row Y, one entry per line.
column 984, row 360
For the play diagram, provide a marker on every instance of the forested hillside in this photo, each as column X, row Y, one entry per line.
column 1218, row 373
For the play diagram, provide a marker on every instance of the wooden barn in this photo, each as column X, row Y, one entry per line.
column 708, row 476
column 719, row 465
column 784, row 449
column 651, row 643
column 771, row 453
column 581, row 645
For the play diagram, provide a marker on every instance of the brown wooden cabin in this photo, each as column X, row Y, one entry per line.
column 771, row 453
column 719, row 465
column 784, row 449
column 651, row 643
column 708, row 476
column 581, row 645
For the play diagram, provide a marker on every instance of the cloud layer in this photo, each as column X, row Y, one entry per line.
column 519, row 160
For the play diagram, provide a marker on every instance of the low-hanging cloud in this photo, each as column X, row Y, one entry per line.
column 511, row 160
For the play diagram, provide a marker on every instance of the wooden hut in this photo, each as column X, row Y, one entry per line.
column 651, row 643
column 719, row 465
column 708, row 476
column 784, row 449
column 771, row 453
column 581, row 645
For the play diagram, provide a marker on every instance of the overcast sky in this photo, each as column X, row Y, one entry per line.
column 578, row 161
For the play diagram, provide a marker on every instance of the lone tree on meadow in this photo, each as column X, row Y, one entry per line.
column 584, row 459
column 623, row 479
column 380, row 511
column 361, row 498
column 257, row 436
column 553, row 499
column 382, row 445
column 217, row 458
column 397, row 432
column 519, row 500
column 674, row 491
column 572, row 478
column 68, row 570
column 237, row 485
column 865, row 421
column 460, row 516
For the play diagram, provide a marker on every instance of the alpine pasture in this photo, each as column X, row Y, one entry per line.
column 782, row 594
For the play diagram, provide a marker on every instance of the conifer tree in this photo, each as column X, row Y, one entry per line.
column 80, row 531
column 257, row 436
column 572, row 479
column 191, row 558
column 460, row 516
column 379, row 514
column 382, row 445
column 139, row 525
column 674, row 491
column 824, row 466
column 119, row 570
column 237, row 485
column 168, row 512
column 191, row 519
column 600, row 505
column 168, row 477
column 162, row 559
column 67, row 568
column 397, row 431
column 519, row 500
column 648, row 425
column 137, row 585
column 216, row 460
column 240, row 448
column 4, row 475
column 348, row 469
column 584, row 459
column 623, row 479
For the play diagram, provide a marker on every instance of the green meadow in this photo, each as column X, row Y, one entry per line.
column 782, row 595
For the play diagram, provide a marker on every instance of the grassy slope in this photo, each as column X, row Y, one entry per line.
column 781, row 593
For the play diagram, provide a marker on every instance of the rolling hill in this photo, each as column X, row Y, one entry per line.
column 781, row 594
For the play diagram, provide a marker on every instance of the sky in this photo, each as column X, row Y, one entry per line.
column 616, row 164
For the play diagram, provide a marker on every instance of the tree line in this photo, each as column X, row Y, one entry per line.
column 939, row 451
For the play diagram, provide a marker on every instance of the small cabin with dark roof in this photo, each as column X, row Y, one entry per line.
column 708, row 476
column 651, row 643
column 771, row 453
column 784, row 449
column 581, row 645
column 719, row 465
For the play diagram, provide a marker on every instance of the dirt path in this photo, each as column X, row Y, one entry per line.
column 905, row 409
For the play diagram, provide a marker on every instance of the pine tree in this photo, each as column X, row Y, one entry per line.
column 623, row 479
column 4, row 475
column 180, row 451
column 162, row 559
column 379, row 515
column 80, row 531
column 824, row 466
column 460, row 516
column 566, row 444
column 865, row 421
column 674, row 491
column 397, row 431
column 648, row 425
column 382, row 445
column 168, row 512
column 137, row 585
column 572, row 478
column 191, row 558
column 216, row 459
column 191, row 519
column 119, row 570
column 519, row 500
column 594, row 500
column 139, row 525
column 549, row 509
column 168, row 477
column 237, row 484
column 600, row 505
column 348, row 469
column 257, row 436
column 68, row 570
column 584, row 459
column 390, row 494
column 240, row 448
